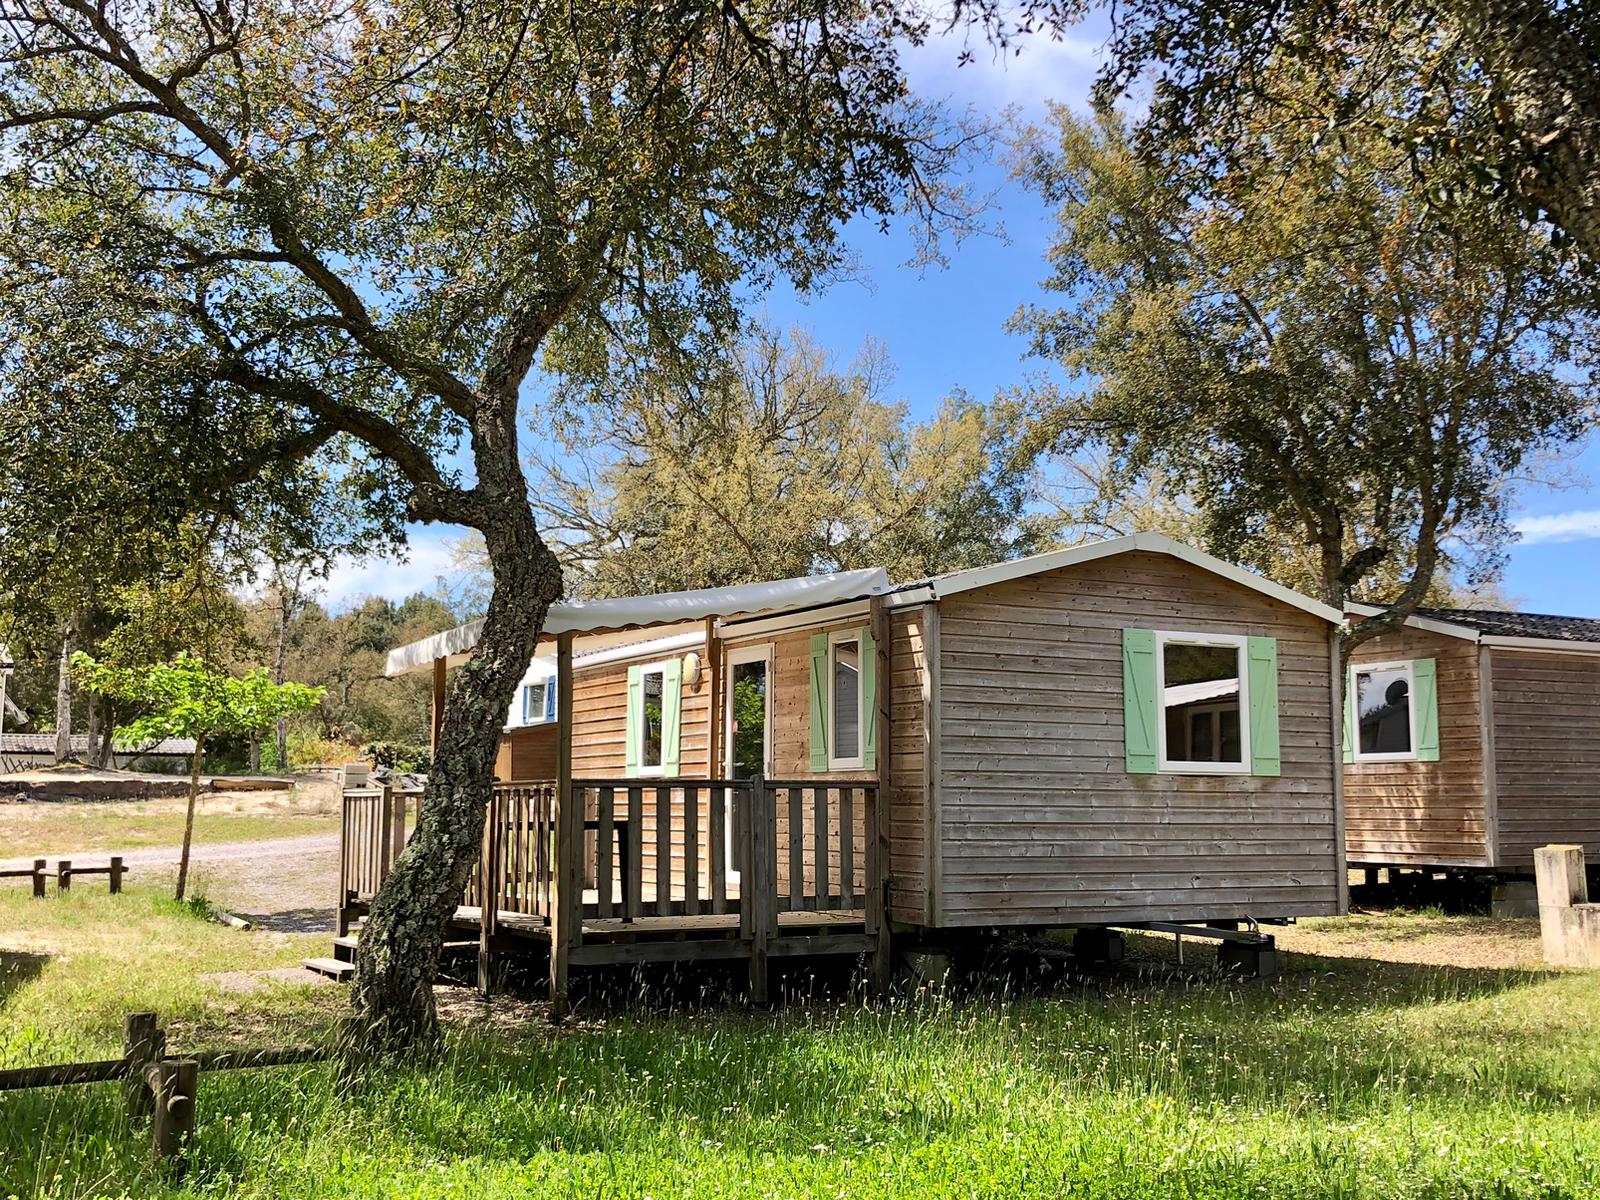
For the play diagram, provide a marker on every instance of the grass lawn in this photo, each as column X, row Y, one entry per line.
column 1351, row 1078
column 49, row 829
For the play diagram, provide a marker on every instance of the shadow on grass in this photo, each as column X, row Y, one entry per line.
column 18, row 968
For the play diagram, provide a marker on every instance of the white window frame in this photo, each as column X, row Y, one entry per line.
column 659, row 771
column 1354, row 706
column 1240, row 645
column 856, row 762
column 544, row 701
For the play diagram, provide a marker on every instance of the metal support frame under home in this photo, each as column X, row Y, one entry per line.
column 620, row 871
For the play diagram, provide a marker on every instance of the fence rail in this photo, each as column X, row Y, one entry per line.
column 40, row 874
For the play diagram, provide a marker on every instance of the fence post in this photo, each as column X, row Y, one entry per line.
column 763, row 890
column 173, row 1083
column 116, row 874
column 142, row 1044
column 63, row 875
column 342, row 918
column 41, row 873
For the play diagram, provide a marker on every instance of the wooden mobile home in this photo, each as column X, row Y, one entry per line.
column 1472, row 738
column 1120, row 734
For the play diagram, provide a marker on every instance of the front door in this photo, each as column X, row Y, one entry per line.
column 749, row 726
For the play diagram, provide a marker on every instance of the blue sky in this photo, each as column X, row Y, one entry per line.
column 944, row 328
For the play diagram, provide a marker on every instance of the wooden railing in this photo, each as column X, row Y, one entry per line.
column 648, row 848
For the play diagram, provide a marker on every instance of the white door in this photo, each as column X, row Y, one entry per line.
column 749, row 733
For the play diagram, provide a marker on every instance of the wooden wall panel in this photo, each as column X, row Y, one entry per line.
column 527, row 755
column 1040, row 822
column 1546, row 713
column 1424, row 813
column 907, row 800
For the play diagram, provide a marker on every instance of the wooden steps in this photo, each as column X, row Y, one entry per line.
column 335, row 969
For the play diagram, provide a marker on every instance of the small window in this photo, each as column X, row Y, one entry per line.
column 650, row 723
column 844, row 658
column 532, row 703
column 1385, row 712
column 1202, row 685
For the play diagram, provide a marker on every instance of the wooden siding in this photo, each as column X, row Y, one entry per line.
column 1040, row 822
column 527, row 754
column 907, row 798
column 1546, row 716
column 599, row 721
column 1424, row 813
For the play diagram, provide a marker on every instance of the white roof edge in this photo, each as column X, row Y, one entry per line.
column 667, row 608
column 1155, row 543
column 1546, row 645
column 1430, row 624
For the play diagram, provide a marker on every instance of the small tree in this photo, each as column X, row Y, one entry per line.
column 189, row 699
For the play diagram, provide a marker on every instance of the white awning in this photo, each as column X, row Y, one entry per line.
column 642, row 612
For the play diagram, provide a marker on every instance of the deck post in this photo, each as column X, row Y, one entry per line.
column 491, row 861
column 761, row 900
column 436, row 721
column 714, row 708
column 877, row 808
column 342, row 912
column 566, row 900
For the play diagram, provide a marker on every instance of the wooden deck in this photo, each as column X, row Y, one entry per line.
column 657, row 871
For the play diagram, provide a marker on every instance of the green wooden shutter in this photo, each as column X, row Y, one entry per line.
column 1350, row 715
column 869, row 701
column 671, row 715
column 1261, row 660
column 1425, row 679
column 634, row 737
column 1139, row 710
column 819, row 702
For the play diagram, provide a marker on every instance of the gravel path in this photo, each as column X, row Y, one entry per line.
column 285, row 884
column 214, row 852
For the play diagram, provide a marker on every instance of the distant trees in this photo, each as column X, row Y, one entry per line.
column 783, row 463
column 1307, row 347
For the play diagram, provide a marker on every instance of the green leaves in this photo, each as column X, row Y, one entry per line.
column 189, row 699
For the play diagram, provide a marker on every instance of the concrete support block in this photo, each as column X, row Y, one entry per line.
column 1568, row 924
column 1092, row 944
column 1514, row 898
column 925, row 968
column 1249, row 960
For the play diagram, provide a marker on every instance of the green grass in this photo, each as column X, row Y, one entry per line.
column 1348, row 1079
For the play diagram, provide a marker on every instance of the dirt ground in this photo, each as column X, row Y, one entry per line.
column 1400, row 935
column 270, row 856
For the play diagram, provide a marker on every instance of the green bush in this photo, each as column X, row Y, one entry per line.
column 399, row 756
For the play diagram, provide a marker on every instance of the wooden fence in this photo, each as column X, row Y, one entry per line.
column 40, row 873
column 159, row 1086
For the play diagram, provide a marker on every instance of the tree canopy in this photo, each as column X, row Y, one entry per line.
column 1308, row 348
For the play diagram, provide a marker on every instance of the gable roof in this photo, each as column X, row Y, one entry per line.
column 956, row 582
column 1518, row 624
column 1495, row 627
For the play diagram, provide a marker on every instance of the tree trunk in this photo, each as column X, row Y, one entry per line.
column 399, row 948
column 279, row 656
column 188, row 820
column 255, row 754
column 102, row 756
column 64, row 699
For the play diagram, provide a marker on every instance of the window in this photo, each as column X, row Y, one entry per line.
column 845, row 700
column 1385, row 706
column 651, row 724
column 1202, row 685
column 533, row 703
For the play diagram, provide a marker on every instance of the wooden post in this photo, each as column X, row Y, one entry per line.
column 143, row 1043
column 566, row 901
column 63, row 875
column 116, row 874
column 173, row 1083
column 437, row 721
column 877, row 824
column 715, row 712
column 41, row 873
column 342, row 911
column 491, row 863
column 761, row 897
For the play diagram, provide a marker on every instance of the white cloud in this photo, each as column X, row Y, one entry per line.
column 1559, row 527
column 427, row 558
column 1038, row 68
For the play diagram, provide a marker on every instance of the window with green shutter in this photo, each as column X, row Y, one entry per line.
column 653, row 725
column 1200, row 703
column 1392, row 712
column 844, row 701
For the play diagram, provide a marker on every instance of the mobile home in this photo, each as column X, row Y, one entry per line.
column 1118, row 734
